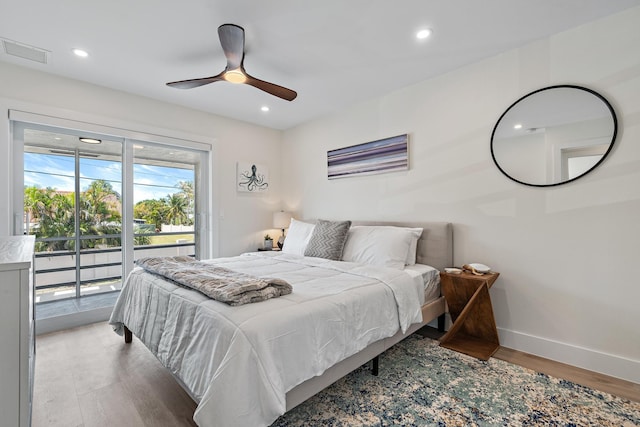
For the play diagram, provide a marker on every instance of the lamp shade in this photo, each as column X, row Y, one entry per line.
column 281, row 220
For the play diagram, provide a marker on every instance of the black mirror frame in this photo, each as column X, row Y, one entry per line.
column 613, row 137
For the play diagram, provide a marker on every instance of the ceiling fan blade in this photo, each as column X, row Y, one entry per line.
column 191, row 83
column 232, row 41
column 273, row 89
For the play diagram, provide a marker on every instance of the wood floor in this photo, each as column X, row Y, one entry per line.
column 87, row 377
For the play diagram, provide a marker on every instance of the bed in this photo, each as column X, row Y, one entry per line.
column 247, row 365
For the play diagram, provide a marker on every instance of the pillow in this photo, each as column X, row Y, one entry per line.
column 416, row 233
column 385, row 246
column 297, row 238
column 327, row 240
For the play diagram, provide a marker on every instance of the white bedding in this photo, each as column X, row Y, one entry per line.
column 239, row 362
column 430, row 277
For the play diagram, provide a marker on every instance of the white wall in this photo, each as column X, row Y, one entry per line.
column 246, row 217
column 568, row 289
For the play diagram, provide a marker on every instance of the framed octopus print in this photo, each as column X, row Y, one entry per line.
column 251, row 177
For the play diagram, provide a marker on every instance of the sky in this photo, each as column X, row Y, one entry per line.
column 149, row 182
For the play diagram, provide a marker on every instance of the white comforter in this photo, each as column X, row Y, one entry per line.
column 239, row 362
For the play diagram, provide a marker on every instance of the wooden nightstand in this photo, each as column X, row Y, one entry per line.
column 474, row 328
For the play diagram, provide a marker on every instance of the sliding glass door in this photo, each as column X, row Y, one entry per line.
column 164, row 200
column 72, row 204
column 97, row 204
column 99, row 218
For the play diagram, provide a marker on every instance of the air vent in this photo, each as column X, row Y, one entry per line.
column 25, row 51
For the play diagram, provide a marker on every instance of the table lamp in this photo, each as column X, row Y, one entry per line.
column 281, row 220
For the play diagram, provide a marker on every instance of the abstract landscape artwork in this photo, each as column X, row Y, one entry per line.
column 381, row 156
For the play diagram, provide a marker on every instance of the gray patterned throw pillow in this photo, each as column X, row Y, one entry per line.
column 328, row 239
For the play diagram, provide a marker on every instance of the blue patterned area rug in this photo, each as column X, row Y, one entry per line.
column 422, row 384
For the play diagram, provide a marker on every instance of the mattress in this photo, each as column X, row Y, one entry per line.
column 239, row 362
column 430, row 277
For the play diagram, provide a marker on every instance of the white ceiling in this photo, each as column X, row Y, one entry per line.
column 334, row 53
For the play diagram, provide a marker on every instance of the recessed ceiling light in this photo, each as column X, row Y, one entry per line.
column 423, row 34
column 518, row 126
column 89, row 140
column 57, row 138
column 80, row 52
column 265, row 108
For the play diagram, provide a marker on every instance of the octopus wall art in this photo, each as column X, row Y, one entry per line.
column 252, row 177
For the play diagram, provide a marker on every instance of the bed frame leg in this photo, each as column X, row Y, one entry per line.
column 128, row 336
column 441, row 323
column 374, row 368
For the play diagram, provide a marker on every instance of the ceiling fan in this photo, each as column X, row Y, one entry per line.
column 232, row 41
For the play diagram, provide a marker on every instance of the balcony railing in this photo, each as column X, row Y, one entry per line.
column 100, row 268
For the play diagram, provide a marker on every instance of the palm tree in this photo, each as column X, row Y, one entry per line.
column 99, row 213
column 53, row 214
column 176, row 209
column 187, row 192
column 186, row 188
column 100, row 202
column 35, row 203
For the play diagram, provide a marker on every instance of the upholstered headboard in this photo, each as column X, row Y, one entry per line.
column 435, row 246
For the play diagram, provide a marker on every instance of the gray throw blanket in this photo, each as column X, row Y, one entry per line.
column 221, row 284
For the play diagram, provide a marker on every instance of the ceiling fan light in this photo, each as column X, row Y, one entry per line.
column 235, row 76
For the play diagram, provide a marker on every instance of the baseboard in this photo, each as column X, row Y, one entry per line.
column 67, row 321
column 592, row 360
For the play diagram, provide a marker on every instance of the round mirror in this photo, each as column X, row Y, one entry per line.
column 553, row 135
